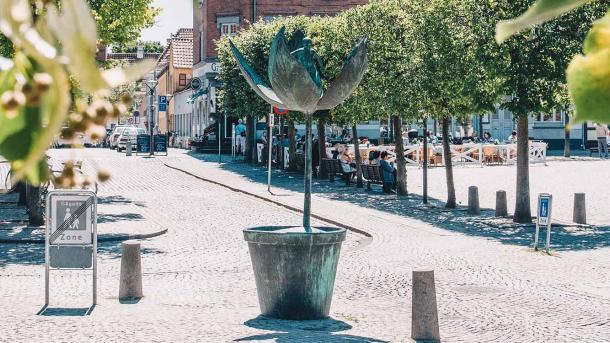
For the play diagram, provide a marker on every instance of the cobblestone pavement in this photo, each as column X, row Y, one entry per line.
column 199, row 285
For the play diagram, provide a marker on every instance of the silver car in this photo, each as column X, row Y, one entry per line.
column 129, row 134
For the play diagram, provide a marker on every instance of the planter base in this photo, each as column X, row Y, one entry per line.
column 294, row 269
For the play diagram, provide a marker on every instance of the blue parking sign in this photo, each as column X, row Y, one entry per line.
column 162, row 99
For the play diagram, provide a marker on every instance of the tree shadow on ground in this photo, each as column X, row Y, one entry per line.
column 113, row 218
column 33, row 254
column 503, row 230
column 118, row 199
column 324, row 330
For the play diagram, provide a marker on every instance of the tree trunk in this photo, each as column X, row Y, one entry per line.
column 401, row 170
column 451, row 203
column 380, row 135
column 21, row 189
column 523, row 213
column 250, row 148
column 323, row 174
column 35, row 213
column 359, row 182
column 566, row 147
column 292, row 147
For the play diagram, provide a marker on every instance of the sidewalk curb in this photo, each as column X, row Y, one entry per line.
column 260, row 197
column 118, row 238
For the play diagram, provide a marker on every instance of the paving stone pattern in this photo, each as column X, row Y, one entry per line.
column 199, row 287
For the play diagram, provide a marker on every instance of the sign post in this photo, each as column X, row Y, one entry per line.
column 269, row 147
column 71, row 234
column 545, row 202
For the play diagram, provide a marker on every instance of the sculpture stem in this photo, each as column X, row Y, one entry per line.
column 308, row 172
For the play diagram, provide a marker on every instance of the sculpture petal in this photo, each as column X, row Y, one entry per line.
column 349, row 78
column 296, row 41
column 255, row 82
column 290, row 80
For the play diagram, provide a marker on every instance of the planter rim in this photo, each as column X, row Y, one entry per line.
column 292, row 235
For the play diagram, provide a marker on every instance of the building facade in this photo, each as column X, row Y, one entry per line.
column 215, row 18
column 175, row 64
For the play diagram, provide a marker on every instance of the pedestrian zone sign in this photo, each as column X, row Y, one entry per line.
column 71, row 219
column 544, row 209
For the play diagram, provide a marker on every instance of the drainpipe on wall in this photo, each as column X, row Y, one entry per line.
column 253, row 11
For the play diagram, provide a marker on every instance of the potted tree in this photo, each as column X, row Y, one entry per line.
column 295, row 267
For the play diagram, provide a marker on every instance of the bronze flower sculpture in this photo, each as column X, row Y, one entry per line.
column 296, row 85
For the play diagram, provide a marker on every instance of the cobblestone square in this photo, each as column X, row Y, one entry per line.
column 199, row 285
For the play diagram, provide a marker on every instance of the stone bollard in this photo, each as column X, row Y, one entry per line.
column 501, row 204
column 131, row 271
column 473, row 200
column 424, row 314
column 580, row 209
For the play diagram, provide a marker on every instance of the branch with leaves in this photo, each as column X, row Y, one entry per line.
column 50, row 78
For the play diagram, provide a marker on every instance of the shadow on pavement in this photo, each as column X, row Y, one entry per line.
column 65, row 311
column 302, row 331
column 113, row 218
column 498, row 229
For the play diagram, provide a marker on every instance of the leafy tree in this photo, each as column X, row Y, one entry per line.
column 453, row 80
column 120, row 22
column 148, row 46
column 534, row 72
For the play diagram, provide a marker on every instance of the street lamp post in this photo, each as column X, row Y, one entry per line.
column 151, row 84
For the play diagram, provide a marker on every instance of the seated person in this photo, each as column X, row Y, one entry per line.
column 374, row 158
column 346, row 164
column 487, row 138
column 389, row 181
column 513, row 137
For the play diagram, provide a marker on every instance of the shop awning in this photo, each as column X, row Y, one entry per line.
column 197, row 94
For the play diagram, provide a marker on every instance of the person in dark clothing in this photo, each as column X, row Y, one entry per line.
column 315, row 156
column 388, row 173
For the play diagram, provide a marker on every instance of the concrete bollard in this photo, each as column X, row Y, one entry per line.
column 580, row 209
column 501, row 204
column 131, row 271
column 128, row 148
column 473, row 200
column 424, row 313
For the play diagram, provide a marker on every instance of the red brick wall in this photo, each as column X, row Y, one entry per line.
column 207, row 14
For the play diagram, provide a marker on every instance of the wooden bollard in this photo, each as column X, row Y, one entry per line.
column 473, row 200
column 131, row 272
column 424, row 313
column 501, row 204
column 580, row 209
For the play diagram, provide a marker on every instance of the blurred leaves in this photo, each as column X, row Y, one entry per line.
column 36, row 89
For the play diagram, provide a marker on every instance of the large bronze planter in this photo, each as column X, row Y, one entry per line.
column 294, row 269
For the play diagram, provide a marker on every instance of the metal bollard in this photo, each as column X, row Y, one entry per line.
column 424, row 313
column 473, row 200
column 128, row 148
column 580, row 209
column 501, row 204
column 130, row 287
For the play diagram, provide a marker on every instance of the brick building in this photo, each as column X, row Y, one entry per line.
column 215, row 18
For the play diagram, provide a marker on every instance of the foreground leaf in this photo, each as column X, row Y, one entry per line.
column 539, row 12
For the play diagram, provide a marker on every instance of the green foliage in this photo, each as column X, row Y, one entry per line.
column 588, row 74
column 6, row 47
column 536, row 68
column 148, row 46
column 120, row 22
column 36, row 91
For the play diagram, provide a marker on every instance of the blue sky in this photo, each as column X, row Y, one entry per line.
column 175, row 14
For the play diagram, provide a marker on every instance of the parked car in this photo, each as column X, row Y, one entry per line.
column 129, row 134
column 113, row 141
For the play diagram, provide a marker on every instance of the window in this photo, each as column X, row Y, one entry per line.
column 555, row 116
column 182, row 79
column 228, row 29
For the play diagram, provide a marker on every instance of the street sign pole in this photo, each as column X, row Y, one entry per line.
column 545, row 202
column 269, row 146
column 71, row 235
